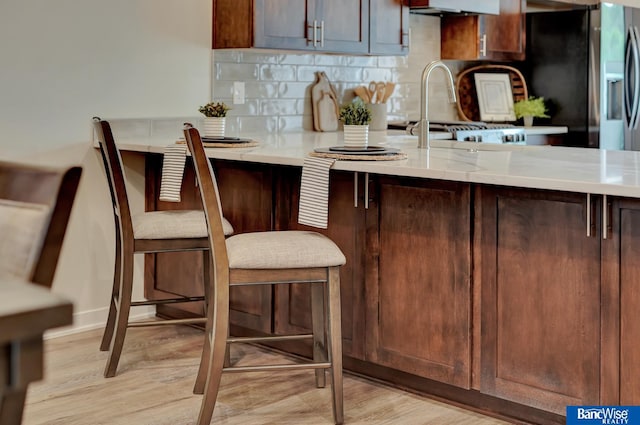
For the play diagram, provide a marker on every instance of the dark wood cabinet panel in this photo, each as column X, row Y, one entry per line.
column 346, row 229
column 419, row 316
column 246, row 197
column 389, row 28
column 338, row 26
column 621, row 299
column 489, row 37
column 322, row 25
column 540, row 280
column 160, row 269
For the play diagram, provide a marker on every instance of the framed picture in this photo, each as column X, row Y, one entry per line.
column 495, row 99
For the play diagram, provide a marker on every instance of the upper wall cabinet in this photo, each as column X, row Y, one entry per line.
column 389, row 27
column 338, row 26
column 486, row 37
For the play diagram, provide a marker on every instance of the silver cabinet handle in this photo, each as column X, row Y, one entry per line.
column 605, row 217
column 355, row 189
column 322, row 33
column 315, row 38
column 483, row 45
column 405, row 38
column 311, row 38
column 588, row 215
column 366, row 191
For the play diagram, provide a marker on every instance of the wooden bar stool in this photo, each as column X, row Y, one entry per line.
column 148, row 232
column 268, row 258
column 35, row 206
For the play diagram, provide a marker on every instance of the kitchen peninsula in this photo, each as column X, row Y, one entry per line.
column 504, row 278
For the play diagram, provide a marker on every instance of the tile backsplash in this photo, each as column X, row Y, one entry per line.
column 278, row 84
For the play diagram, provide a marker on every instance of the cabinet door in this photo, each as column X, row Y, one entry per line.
column 168, row 274
column 346, row 229
column 506, row 33
column 419, row 286
column 621, row 298
column 343, row 25
column 490, row 37
column 245, row 194
column 388, row 28
column 540, row 298
column 246, row 198
column 283, row 24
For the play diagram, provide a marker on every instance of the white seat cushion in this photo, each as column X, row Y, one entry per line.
column 291, row 249
column 173, row 224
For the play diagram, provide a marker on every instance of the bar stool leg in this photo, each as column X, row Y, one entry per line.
column 219, row 313
column 107, row 336
column 207, row 280
column 123, row 307
column 335, row 342
column 320, row 353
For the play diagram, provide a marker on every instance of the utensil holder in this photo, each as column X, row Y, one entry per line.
column 378, row 116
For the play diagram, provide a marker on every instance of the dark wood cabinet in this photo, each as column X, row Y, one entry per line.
column 621, row 303
column 320, row 25
column 246, row 197
column 338, row 26
column 347, row 229
column 408, row 255
column 486, row 37
column 507, row 296
column 419, row 293
column 539, row 275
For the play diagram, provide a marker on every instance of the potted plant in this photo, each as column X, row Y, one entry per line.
column 530, row 108
column 356, row 117
column 214, row 121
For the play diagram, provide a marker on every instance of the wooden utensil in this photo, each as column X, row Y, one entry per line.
column 375, row 91
column 362, row 93
column 388, row 91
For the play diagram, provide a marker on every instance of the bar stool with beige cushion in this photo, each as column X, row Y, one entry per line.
column 268, row 258
column 148, row 232
column 35, row 206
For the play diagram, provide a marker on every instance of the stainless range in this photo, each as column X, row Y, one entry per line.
column 470, row 131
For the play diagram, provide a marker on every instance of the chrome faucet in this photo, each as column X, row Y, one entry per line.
column 423, row 135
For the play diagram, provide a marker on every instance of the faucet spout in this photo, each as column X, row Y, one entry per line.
column 423, row 135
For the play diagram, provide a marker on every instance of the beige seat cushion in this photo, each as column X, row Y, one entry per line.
column 282, row 250
column 173, row 224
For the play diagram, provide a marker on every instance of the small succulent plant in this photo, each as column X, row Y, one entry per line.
column 355, row 113
column 214, row 109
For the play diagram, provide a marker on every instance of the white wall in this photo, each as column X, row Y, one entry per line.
column 64, row 61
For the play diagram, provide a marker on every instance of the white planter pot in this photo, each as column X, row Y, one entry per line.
column 214, row 127
column 356, row 135
column 528, row 121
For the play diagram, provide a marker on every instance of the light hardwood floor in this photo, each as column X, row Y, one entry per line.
column 155, row 379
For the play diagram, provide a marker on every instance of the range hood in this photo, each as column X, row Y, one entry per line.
column 491, row 7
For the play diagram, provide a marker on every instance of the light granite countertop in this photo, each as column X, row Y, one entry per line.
column 580, row 170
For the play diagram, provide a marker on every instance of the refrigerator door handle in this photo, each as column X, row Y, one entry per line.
column 632, row 62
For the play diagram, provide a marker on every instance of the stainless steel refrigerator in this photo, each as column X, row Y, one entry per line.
column 586, row 64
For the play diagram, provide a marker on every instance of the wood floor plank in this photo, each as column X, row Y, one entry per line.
column 155, row 380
